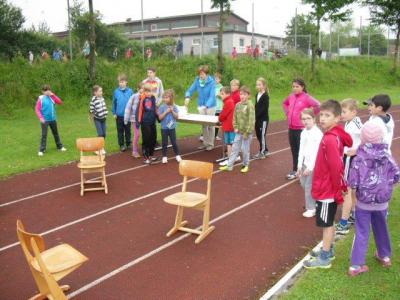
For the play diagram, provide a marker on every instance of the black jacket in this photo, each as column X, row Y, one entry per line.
column 262, row 108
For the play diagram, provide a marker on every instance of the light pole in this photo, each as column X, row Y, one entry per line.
column 142, row 31
column 69, row 31
column 201, row 28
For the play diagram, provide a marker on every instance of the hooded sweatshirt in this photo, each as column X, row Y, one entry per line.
column 120, row 99
column 45, row 107
column 373, row 173
column 295, row 104
column 387, row 122
column 226, row 115
column 328, row 181
column 244, row 118
column 157, row 88
column 206, row 92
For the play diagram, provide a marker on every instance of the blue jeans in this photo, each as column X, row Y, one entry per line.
column 165, row 133
column 100, row 127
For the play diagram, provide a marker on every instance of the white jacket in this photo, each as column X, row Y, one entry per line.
column 309, row 144
column 388, row 123
column 353, row 128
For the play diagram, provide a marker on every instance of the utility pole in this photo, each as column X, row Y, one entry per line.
column 142, row 32
column 252, row 25
column 295, row 31
column 202, row 31
column 69, row 31
column 330, row 39
column 360, row 33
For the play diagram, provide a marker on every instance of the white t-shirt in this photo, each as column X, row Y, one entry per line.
column 353, row 128
column 309, row 144
column 259, row 96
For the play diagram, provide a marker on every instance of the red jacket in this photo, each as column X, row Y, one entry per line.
column 236, row 96
column 226, row 115
column 328, row 179
column 295, row 104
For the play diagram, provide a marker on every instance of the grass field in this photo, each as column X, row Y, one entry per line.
column 21, row 134
column 379, row 283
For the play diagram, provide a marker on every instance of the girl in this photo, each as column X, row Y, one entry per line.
column 98, row 112
column 294, row 104
column 218, row 87
column 262, row 116
column 310, row 139
column 146, row 117
column 372, row 174
column 130, row 116
column 168, row 113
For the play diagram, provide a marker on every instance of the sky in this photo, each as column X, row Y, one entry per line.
column 270, row 17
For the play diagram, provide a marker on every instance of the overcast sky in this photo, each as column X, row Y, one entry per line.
column 270, row 16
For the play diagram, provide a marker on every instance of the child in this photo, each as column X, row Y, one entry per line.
column 120, row 99
column 130, row 116
column 168, row 113
column 98, row 112
column 294, row 104
column 146, row 116
column 156, row 84
column 235, row 90
column 262, row 116
column 218, row 87
column 378, row 107
column 373, row 174
column 310, row 139
column 328, row 183
column 46, row 111
column 226, row 118
column 353, row 127
column 243, row 124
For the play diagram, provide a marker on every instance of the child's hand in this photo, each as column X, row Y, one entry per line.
column 115, row 116
column 236, row 130
column 42, row 121
column 351, row 152
column 306, row 172
column 298, row 173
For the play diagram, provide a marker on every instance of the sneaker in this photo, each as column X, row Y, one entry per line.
column 244, row 169
column 164, row 160
column 385, row 261
column 357, row 270
column 342, row 229
column 309, row 213
column 238, row 158
column 317, row 263
column 292, row 175
column 147, row 161
column 351, row 220
column 224, row 163
column 122, row 148
column 202, row 147
column 201, row 138
column 40, row 153
column 259, row 156
column 209, row 148
column 154, row 158
column 225, row 168
column 317, row 253
column 103, row 152
column 267, row 153
column 178, row 158
column 217, row 138
column 63, row 149
column 135, row 155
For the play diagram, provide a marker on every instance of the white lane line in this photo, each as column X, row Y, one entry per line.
column 120, row 205
column 171, row 243
column 107, row 175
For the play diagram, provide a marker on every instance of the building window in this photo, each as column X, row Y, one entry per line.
column 215, row 42
column 241, row 42
column 153, row 27
column 262, row 44
column 196, row 42
column 185, row 24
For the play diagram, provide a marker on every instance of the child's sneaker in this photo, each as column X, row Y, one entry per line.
column 224, row 163
column 342, row 229
column 317, row 253
column 201, row 139
column 317, row 263
column 351, row 220
column 178, row 158
column 244, row 169
column 357, row 270
column 154, row 158
column 40, row 153
column 309, row 213
column 147, row 161
column 258, row 156
column 135, row 155
column 266, row 154
column 385, row 261
column 292, row 175
column 62, row 149
column 217, row 138
column 164, row 160
column 225, row 168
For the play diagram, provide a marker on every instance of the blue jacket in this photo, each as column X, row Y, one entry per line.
column 120, row 99
column 206, row 93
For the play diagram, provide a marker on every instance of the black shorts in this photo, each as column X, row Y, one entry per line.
column 325, row 213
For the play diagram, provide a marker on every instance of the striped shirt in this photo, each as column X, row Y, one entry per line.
column 98, row 107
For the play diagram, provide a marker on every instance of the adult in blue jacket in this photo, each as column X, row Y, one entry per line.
column 204, row 84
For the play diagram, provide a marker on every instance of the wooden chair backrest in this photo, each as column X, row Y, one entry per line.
column 90, row 144
column 197, row 169
column 25, row 240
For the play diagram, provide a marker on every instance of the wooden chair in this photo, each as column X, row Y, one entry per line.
column 185, row 199
column 92, row 163
column 48, row 266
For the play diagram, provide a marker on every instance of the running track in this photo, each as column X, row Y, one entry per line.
column 259, row 234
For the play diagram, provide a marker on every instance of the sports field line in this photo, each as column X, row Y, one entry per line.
column 107, row 175
column 122, row 205
column 173, row 242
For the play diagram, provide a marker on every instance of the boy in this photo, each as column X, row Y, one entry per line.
column 46, row 111
column 155, row 83
column 378, row 107
column 328, row 183
column 120, row 99
column 235, row 92
column 98, row 112
column 352, row 126
column 243, row 124
column 226, row 118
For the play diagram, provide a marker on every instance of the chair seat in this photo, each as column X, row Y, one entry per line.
column 186, row 199
column 89, row 162
column 60, row 258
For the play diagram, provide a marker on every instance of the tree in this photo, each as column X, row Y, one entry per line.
column 224, row 7
column 305, row 27
column 387, row 12
column 92, row 44
column 11, row 21
column 324, row 10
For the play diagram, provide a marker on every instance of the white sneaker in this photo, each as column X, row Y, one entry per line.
column 40, row 153
column 63, row 149
column 103, row 152
column 178, row 158
column 224, row 163
column 309, row 213
column 217, row 138
column 164, row 160
column 201, row 138
column 237, row 158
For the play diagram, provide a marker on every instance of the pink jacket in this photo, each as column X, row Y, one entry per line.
column 295, row 104
column 39, row 106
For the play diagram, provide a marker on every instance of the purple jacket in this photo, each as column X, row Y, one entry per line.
column 373, row 173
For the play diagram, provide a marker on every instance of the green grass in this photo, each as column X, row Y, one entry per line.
column 379, row 283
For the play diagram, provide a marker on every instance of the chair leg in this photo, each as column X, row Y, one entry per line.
column 206, row 228
column 203, row 235
column 65, row 287
column 178, row 221
column 104, row 183
column 38, row 297
column 82, row 183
